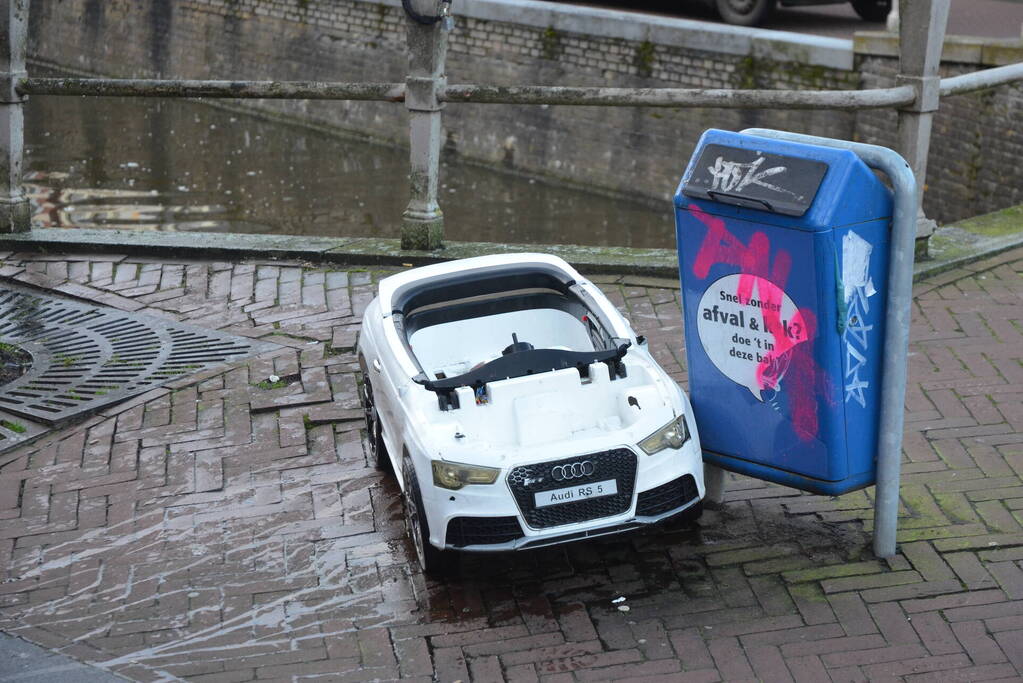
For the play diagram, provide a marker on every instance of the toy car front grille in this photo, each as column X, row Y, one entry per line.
column 463, row 531
column 618, row 464
column 665, row 497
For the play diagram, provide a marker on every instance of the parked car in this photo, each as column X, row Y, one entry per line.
column 753, row 12
column 519, row 409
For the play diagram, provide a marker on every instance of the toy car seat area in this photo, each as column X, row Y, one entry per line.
column 516, row 346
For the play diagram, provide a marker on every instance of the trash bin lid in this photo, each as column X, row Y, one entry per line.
column 744, row 177
column 782, row 183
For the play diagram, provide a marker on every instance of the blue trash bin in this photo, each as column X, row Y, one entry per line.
column 783, row 262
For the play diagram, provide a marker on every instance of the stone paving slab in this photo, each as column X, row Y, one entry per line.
column 22, row 662
column 225, row 529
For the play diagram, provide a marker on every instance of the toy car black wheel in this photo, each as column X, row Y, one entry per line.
column 744, row 12
column 693, row 514
column 432, row 561
column 872, row 10
column 687, row 518
column 377, row 450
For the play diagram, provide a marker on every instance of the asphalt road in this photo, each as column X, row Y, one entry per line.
column 989, row 18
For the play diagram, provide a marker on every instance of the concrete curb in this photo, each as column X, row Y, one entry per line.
column 984, row 248
column 341, row 250
column 387, row 252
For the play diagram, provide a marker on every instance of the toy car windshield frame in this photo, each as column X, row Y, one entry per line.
column 501, row 289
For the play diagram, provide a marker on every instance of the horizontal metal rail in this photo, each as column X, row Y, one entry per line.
column 681, row 97
column 278, row 90
column 395, row 92
column 982, row 80
column 878, row 98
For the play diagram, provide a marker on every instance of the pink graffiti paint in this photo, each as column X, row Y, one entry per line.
column 793, row 343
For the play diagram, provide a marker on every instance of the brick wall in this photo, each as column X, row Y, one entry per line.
column 630, row 150
column 642, row 150
column 976, row 139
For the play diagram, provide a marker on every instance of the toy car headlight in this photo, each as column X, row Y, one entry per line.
column 672, row 435
column 452, row 475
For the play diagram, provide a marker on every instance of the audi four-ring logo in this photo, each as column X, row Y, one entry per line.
column 573, row 471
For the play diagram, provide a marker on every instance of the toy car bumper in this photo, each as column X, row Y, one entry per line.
column 497, row 517
column 527, row 543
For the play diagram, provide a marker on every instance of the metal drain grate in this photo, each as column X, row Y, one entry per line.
column 85, row 357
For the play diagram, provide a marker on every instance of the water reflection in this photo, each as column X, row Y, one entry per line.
column 185, row 166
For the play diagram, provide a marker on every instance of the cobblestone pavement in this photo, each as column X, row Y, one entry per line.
column 215, row 530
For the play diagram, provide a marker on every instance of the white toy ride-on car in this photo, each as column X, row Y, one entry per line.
column 518, row 409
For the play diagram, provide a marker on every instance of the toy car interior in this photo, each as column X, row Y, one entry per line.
column 448, row 326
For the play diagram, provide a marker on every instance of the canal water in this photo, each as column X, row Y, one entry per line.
column 151, row 164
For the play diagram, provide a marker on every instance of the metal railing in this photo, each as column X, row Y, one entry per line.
column 425, row 92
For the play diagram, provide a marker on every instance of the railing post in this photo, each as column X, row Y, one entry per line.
column 423, row 221
column 921, row 38
column 15, row 213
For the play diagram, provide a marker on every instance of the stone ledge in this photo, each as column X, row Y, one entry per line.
column 957, row 49
column 779, row 46
column 951, row 246
column 339, row 250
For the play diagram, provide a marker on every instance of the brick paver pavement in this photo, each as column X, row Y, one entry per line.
column 214, row 530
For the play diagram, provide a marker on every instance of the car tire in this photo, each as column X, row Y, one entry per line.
column 374, row 433
column 432, row 561
column 872, row 10
column 744, row 12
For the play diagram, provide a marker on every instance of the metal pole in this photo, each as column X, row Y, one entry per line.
column 981, row 80
column 875, row 98
column 680, row 97
column 291, row 90
column 921, row 38
column 423, row 221
column 896, row 333
column 15, row 212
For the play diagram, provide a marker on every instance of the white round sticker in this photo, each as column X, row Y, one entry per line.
column 747, row 326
